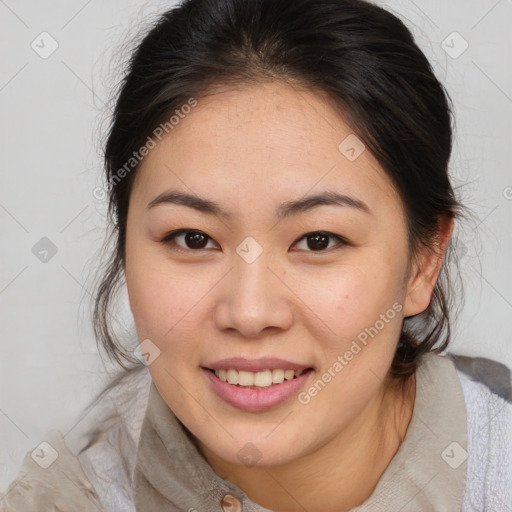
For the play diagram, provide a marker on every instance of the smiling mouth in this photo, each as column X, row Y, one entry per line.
column 257, row 380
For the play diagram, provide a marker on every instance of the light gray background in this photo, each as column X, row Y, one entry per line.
column 53, row 114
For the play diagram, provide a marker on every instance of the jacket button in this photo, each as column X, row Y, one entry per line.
column 230, row 504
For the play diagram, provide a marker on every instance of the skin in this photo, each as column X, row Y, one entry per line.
column 251, row 149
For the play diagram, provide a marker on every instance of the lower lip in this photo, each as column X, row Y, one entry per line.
column 255, row 400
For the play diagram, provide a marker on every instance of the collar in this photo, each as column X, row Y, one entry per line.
column 428, row 471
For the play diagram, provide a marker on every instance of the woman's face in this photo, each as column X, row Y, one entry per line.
column 250, row 287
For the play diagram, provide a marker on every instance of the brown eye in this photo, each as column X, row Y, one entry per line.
column 190, row 240
column 318, row 241
column 183, row 240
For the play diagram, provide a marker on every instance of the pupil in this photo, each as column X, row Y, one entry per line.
column 319, row 241
column 195, row 240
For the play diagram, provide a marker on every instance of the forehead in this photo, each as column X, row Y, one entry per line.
column 263, row 143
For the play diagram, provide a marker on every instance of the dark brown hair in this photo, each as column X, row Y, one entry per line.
column 360, row 55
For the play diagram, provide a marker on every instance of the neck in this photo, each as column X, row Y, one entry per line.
column 343, row 472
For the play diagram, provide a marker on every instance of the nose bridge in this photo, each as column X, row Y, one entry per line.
column 252, row 268
column 254, row 284
column 255, row 298
column 254, row 278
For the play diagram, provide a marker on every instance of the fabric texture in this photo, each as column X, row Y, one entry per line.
column 100, row 474
column 62, row 486
column 490, row 460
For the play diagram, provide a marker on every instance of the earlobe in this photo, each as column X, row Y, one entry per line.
column 425, row 270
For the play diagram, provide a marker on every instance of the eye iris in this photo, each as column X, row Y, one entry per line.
column 319, row 241
column 195, row 240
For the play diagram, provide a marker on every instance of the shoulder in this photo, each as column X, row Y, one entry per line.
column 487, row 389
column 92, row 468
column 109, row 450
column 50, row 478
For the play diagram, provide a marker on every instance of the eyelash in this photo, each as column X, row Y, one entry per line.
column 169, row 240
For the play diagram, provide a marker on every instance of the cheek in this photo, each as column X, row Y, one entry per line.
column 361, row 306
column 353, row 297
column 164, row 300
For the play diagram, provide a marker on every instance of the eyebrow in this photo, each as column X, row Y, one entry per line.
column 286, row 209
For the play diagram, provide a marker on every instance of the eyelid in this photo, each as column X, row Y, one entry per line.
column 172, row 235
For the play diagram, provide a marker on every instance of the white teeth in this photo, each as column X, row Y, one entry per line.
column 245, row 378
column 261, row 379
column 277, row 376
column 289, row 374
column 232, row 376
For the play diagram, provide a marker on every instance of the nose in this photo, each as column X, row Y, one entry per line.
column 254, row 299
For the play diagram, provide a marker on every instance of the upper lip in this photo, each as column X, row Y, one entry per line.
column 256, row 365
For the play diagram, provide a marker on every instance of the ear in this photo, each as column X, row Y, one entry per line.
column 425, row 270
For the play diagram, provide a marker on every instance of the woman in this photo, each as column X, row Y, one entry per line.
column 282, row 209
